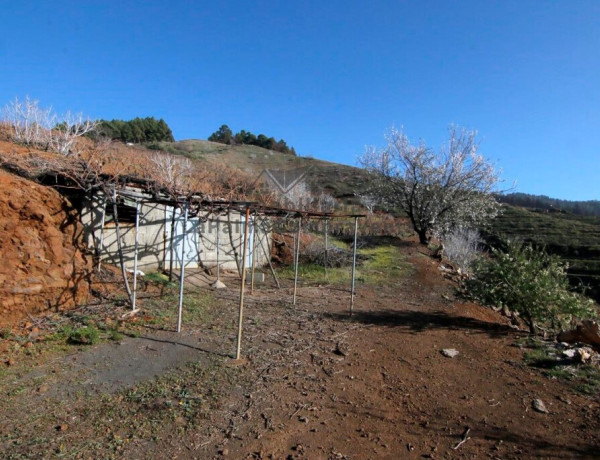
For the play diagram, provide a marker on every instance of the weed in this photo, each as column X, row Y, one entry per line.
column 588, row 382
column 5, row 333
column 87, row 335
column 199, row 307
column 378, row 265
column 583, row 378
column 159, row 278
column 115, row 335
column 132, row 333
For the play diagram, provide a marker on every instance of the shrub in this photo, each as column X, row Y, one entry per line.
column 461, row 247
column 86, row 335
column 530, row 282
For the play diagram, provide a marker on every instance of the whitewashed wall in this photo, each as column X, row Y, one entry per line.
column 154, row 238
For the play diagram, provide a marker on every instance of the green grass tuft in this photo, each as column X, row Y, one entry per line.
column 86, row 335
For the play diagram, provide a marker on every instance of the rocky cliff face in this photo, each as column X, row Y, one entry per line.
column 42, row 264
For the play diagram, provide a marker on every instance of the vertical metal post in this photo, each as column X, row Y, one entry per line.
column 172, row 239
column 101, row 242
column 325, row 255
column 253, row 254
column 296, row 257
column 354, row 265
column 218, row 247
column 243, row 285
column 135, row 255
column 182, row 268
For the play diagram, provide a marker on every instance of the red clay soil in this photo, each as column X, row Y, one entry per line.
column 42, row 268
column 377, row 385
column 314, row 383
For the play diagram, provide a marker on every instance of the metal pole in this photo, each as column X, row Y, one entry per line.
column 243, row 285
column 172, row 239
column 182, row 269
column 135, row 254
column 353, row 265
column 297, row 248
column 218, row 243
column 253, row 254
column 101, row 242
column 325, row 254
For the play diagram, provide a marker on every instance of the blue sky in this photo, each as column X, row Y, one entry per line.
column 332, row 76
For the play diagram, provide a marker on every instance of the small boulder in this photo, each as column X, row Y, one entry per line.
column 450, row 352
column 539, row 406
column 218, row 285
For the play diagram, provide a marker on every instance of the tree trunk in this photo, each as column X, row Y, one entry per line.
column 423, row 238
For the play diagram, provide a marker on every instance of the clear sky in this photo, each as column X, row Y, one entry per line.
column 330, row 76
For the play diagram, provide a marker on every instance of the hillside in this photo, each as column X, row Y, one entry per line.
column 341, row 181
column 547, row 204
column 575, row 238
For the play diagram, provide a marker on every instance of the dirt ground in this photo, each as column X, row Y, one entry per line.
column 314, row 383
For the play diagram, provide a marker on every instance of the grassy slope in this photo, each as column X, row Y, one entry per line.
column 575, row 238
column 340, row 180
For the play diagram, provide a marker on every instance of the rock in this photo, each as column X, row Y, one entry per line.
column 340, row 350
column 571, row 353
column 539, row 406
column 450, row 352
column 587, row 332
column 218, row 285
column 584, row 354
column 34, row 334
column 43, row 389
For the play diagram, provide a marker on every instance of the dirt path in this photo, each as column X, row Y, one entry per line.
column 377, row 386
column 319, row 384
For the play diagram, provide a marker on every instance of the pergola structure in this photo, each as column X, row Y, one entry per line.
column 194, row 204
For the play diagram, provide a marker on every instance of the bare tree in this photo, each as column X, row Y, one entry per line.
column 438, row 191
column 30, row 124
column 41, row 127
column 368, row 201
column 71, row 127
column 461, row 247
column 171, row 173
column 325, row 202
column 299, row 196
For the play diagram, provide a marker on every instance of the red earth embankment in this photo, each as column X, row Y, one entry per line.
column 42, row 267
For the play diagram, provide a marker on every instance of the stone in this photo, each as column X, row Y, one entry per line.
column 450, row 352
column 218, row 285
column 539, row 406
column 570, row 353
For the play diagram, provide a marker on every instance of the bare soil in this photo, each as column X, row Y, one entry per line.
column 314, row 383
column 43, row 267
